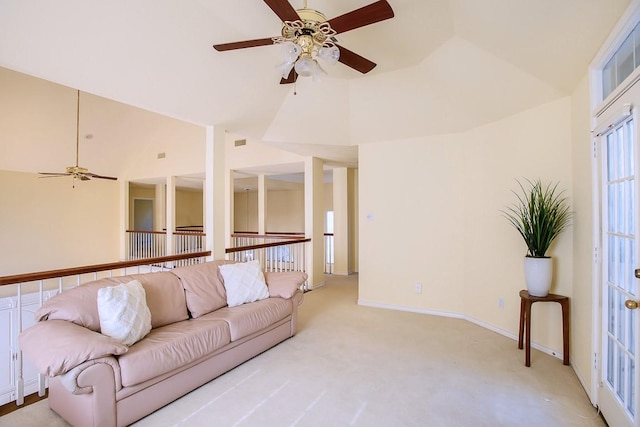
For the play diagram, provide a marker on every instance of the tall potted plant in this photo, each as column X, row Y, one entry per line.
column 540, row 214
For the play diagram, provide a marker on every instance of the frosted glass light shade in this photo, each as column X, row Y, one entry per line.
column 285, row 68
column 306, row 67
column 329, row 54
column 290, row 51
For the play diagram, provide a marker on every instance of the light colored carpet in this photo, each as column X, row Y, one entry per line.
column 351, row 365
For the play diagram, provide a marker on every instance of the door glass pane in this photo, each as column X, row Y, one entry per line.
column 631, row 402
column 610, row 156
column 632, row 332
column 612, row 303
column 620, row 373
column 620, row 259
column 610, row 360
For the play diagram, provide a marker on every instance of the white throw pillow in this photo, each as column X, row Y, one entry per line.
column 123, row 312
column 244, row 282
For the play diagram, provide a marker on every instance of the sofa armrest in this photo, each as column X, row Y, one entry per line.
column 284, row 284
column 57, row 346
column 70, row 379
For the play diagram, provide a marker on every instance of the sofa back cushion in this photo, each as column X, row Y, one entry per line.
column 164, row 294
column 203, row 286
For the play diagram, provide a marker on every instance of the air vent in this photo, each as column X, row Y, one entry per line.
column 240, row 142
column 162, row 155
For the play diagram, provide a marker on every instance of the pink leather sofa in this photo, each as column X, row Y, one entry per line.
column 96, row 380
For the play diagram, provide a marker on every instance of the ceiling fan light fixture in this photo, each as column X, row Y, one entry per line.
column 306, row 66
column 290, row 51
column 285, row 68
column 329, row 54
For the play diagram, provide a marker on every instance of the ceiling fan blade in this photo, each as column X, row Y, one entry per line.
column 52, row 174
column 243, row 44
column 375, row 12
column 283, row 9
column 291, row 78
column 355, row 61
column 90, row 175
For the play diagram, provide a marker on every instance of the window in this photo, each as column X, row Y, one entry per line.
column 622, row 63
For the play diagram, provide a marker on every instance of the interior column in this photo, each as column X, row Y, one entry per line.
column 124, row 220
column 314, row 220
column 341, row 221
column 216, row 195
column 262, row 204
column 159, row 208
column 171, row 213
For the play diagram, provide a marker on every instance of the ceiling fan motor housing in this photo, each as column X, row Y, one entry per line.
column 311, row 15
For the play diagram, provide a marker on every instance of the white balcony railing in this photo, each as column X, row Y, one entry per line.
column 151, row 244
column 275, row 252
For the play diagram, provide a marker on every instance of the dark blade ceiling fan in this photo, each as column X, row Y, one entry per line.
column 307, row 34
column 77, row 172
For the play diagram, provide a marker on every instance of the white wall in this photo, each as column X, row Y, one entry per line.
column 435, row 218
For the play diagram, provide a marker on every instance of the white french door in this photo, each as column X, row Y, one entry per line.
column 619, row 379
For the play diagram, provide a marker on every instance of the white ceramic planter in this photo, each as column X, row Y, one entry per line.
column 538, row 273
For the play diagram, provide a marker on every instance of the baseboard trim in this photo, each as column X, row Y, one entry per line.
column 409, row 309
column 316, row 286
column 500, row 331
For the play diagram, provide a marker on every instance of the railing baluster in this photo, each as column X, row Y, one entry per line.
column 18, row 353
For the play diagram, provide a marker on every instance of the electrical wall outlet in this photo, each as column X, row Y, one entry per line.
column 418, row 288
column 501, row 302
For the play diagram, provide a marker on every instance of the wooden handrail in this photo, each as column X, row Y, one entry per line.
column 178, row 233
column 52, row 274
column 285, row 233
column 265, row 245
column 270, row 236
column 147, row 232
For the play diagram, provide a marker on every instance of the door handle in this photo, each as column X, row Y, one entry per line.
column 637, row 273
column 631, row 304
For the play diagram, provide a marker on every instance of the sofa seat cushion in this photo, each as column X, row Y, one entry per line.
column 171, row 347
column 247, row 319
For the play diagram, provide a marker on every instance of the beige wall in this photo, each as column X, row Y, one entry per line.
column 285, row 211
column 140, row 192
column 583, row 244
column 245, row 211
column 189, row 207
column 47, row 224
column 434, row 216
column 189, row 204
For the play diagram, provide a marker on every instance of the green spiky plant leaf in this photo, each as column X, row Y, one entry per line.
column 540, row 215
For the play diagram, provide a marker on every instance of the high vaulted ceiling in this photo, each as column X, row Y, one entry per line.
column 443, row 65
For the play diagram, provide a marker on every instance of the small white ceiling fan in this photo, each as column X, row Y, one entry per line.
column 76, row 172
